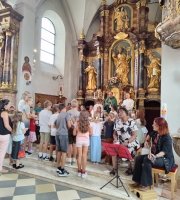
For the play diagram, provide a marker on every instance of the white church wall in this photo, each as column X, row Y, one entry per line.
column 170, row 88
column 30, row 39
column 42, row 80
column 26, row 44
column 94, row 28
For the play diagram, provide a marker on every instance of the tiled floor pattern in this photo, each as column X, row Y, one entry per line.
column 15, row 186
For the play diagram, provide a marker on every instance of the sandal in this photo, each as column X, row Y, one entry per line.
column 128, row 172
column 135, row 185
column 113, row 172
column 144, row 188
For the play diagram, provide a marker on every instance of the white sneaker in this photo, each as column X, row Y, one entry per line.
column 68, row 164
column 79, row 174
column 84, row 175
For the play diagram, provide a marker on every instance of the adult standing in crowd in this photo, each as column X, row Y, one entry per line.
column 22, row 102
column 5, row 130
column 128, row 103
column 110, row 101
column 38, row 108
column 163, row 157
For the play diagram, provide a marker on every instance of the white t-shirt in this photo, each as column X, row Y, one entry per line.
column 96, row 106
column 97, row 128
column 51, row 122
column 129, row 103
column 44, row 117
column 21, row 104
column 19, row 132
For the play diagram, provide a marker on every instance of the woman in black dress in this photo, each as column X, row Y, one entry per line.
column 163, row 157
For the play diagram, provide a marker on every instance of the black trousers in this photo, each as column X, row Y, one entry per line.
column 143, row 169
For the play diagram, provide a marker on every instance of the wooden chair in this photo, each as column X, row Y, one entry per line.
column 173, row 174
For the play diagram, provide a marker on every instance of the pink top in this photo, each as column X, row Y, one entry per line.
column 82, row 136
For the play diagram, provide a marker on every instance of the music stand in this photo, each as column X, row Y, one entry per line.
column 119, row 151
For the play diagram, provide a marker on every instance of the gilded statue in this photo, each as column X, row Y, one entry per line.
column 91, row 76
column 121, row 18
column 154, row 72
column 121, row 62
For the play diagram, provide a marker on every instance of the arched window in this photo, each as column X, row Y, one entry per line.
column 47, row 41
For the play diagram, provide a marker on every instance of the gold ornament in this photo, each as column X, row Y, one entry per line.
column 91, row 76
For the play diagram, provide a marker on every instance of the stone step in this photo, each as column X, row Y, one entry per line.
column 91, row 184
column 98, row 170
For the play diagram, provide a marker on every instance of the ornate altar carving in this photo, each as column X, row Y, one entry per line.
column 9, row 40
column 121, row 49
column 168, row 31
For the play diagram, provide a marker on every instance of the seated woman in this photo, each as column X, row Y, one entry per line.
column 163, row 157
column 125, row 133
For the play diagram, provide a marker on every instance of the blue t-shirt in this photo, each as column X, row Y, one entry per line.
column 109, row 130
column 19, row 132
column 37, row 110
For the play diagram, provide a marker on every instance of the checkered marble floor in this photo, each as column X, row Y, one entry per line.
column 15, row 186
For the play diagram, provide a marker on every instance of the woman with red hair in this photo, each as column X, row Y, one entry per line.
column 163, row 157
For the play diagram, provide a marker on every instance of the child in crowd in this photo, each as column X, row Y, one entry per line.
column 26, row 119
column 32, row 134
column 74, row 115
column 95, row 142
column 105, row 116
column 98, row 112
column 109, row 130
column 51, row 123
column 45, row 130
column 62, row 124
column 82, row 130
column 141, row 123
column 18, row 150
column 114, row 110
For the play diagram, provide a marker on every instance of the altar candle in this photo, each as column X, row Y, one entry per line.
column 103, row 94
column 98, row 94
column 154, row 71
column 94, row 95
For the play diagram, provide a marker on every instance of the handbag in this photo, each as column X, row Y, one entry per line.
column 21, row 153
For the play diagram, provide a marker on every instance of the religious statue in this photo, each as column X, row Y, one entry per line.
column 92, row 77
column 121, row 18
column 121, row 62
column 26, row 65
column 154, row 72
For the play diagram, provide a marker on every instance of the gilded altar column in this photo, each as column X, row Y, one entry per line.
column 81, row 73
column 2, row 48
column 141, row 91
column 7, row 60
column 141, row 65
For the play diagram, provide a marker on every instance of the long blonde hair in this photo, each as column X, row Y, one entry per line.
column 83, row 122
column 17, row 118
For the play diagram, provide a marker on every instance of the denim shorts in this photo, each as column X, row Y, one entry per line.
column 52, row 140
column 62, row 143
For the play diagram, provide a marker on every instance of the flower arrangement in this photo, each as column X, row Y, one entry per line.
column 113, row 82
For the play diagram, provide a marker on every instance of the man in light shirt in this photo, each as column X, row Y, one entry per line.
column 128, row 103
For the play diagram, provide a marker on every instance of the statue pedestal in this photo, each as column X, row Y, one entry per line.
column 176, row 144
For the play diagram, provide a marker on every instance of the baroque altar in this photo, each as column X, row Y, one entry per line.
column 9, row 43
column 125, row 47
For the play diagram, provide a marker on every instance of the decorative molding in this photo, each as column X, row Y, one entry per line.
column 21, row 5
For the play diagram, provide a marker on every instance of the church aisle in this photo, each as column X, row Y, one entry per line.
column 15, row 186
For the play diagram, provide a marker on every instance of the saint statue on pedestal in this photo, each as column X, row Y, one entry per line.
column 121, row 18
column 121, row 62
column 154, row 72
column 91, row 76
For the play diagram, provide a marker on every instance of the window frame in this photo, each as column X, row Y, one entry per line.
column 42, row 28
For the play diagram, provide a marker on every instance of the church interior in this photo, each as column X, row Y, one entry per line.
column 59, row 50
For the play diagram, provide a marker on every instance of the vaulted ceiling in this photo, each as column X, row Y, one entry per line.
column 80, row 13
